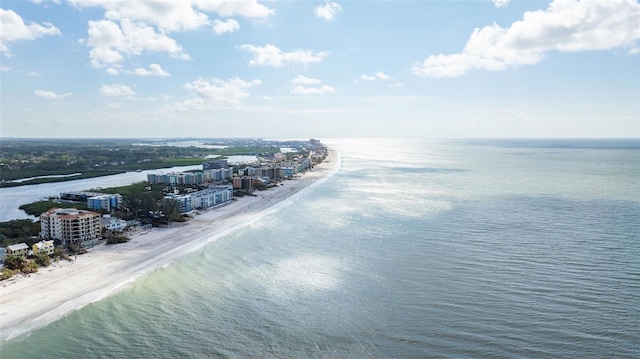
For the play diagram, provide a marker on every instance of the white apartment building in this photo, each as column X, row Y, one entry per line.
column 211, row 196
column 71, row 225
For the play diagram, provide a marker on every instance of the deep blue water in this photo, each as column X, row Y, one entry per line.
column 458, row 249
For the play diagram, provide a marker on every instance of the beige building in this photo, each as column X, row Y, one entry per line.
column 45, row 247
column 71, row 225
column 20, row 249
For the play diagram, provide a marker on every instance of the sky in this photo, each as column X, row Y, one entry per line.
column 322, row 69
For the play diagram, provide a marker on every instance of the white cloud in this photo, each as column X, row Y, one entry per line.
column 171, row 15
column 301, row 90
column 112, row 71
column 301, row 80
column 328, row 11
column 214, row 94
column 50, row 95
column 5, row 68
column 396, row 84
column 229, row 8
column 166, row 15
column 130, row 28
column 154, row 70
column 110, row 42
column 273, row 56
column 33, row 74
column 222, row 27
column 14, row 29
column 501, row 3
column 116, row 90
column 567, row 25
column 114, row 105
column 379, row 75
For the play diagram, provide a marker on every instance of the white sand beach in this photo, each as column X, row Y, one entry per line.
column 29, row 302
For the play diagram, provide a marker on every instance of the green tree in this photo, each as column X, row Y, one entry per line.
column 42, row 259
column 18, row 230
column 15, row 262
column 7, row 273
column 60, row 252
column 30, row 267
column 171, row 209
column 115, row 237
column 75, row 249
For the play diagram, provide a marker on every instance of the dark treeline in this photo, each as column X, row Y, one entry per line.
column 19, row 230
column 26, row 158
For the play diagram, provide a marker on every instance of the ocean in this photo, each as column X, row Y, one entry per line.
column 413, row 249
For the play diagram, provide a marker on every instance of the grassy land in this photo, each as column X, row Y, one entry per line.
column 89, row 158
column 37, row 208
column 167, row 163
column 18, row 230
column 90, row 174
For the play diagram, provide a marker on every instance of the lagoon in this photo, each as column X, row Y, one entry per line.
column 13, row 197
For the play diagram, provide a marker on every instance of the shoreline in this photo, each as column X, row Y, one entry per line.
column 28, row 302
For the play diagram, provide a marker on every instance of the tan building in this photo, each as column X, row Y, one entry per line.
column 71, row 225
column 45, row 247
column 20, row 249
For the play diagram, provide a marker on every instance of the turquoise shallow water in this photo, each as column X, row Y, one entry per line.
column 414, row 250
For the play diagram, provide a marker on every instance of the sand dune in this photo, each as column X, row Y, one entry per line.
column 29, row 302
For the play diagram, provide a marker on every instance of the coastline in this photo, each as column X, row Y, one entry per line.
column 31, row 302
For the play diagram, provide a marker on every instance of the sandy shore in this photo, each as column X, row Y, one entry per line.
column 29, row 302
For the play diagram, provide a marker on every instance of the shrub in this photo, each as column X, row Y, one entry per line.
column 7, row 273
column 118, row 238
column 15, row 262
column 75, row 249
column 31, row 267
column 60, row 252
column 42, row 260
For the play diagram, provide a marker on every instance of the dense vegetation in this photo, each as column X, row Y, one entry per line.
column 17, row 264
column 113, row 237
column 85, row 158
column 141, row 198
column 37, row 208
column 19, row 230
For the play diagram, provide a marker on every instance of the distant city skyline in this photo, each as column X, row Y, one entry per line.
column 321, row 69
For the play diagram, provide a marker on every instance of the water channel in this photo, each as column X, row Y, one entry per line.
column 13, row 197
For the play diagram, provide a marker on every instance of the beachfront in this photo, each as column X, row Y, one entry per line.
column 29, row 302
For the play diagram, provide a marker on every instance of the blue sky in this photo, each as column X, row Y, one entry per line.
column 299, row 69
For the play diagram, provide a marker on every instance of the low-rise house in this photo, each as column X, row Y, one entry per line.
column 287, row 172
column 113, row 223
column 3, row 256
column 45, row 247
column 20, row 249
